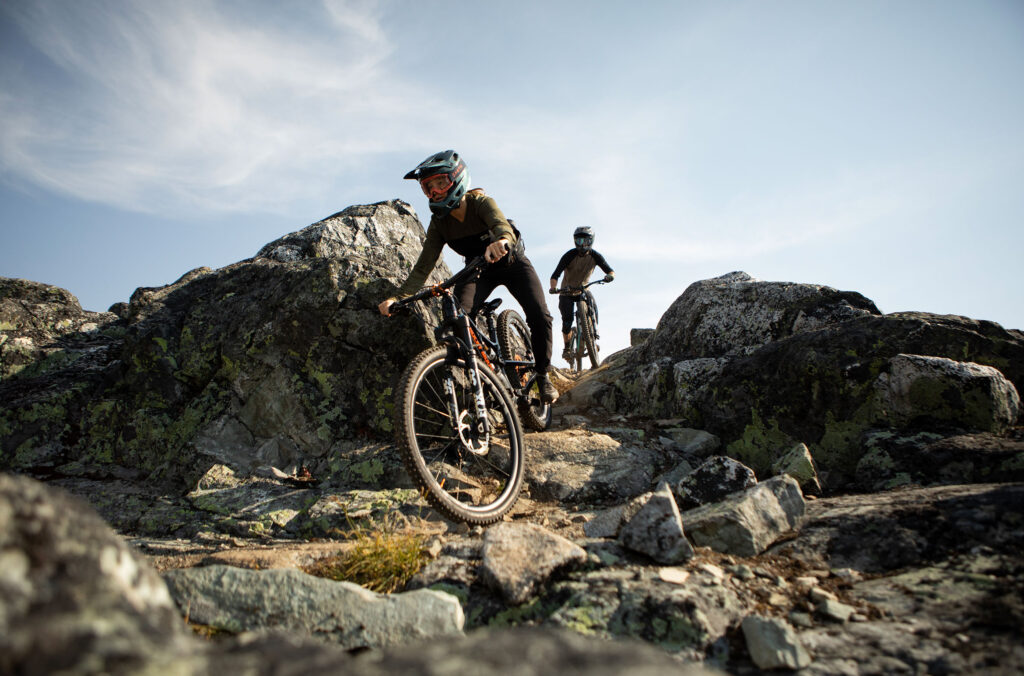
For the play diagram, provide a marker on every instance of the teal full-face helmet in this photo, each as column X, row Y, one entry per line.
column 444, row 179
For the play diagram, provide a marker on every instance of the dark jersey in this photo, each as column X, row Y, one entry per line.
column 578, row 268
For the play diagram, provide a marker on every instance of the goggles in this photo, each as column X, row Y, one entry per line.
column 584, row 241
column 437, row 186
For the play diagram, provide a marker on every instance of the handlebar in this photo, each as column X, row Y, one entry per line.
column 570, row 289
column 430, row 291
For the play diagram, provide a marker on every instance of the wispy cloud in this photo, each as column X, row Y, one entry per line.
column 153, row 106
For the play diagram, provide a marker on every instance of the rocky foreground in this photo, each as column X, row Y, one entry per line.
column 777, row 477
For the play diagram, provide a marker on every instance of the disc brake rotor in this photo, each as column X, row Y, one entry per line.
column 472, row 434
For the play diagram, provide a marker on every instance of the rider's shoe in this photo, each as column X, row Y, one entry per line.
column 567, row 355
column 548, row 393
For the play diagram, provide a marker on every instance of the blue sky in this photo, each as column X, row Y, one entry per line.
column 869, row 146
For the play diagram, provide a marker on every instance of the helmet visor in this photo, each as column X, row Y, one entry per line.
column 436, row 187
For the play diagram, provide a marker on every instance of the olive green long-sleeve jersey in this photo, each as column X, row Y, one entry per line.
column 484, row 223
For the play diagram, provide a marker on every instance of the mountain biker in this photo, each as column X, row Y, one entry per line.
column 578, row 264
column 471, row 223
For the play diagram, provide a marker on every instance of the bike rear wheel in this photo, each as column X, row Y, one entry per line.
column 467, row 473
column 577, row 352
column 514, row 338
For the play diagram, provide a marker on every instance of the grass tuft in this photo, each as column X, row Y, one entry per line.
column 379, row 561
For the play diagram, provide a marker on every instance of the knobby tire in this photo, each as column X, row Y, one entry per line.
column 587, row 339
column 464, row 486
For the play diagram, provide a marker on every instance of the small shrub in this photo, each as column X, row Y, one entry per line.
column 379, row 561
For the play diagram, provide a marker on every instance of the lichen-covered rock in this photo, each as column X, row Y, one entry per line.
column 716, row 478
column 798, row 463
column 819, row 386
column 747, row 523
column 276, row 359
column 656, row 530
column 75, row 598
column 684, row 619
column 43, row 328
column 336, row 513
column 893, row 458
column 237, row 600
column 637, row 336
column 918, row 390
column 735, row 312
column 526, row 651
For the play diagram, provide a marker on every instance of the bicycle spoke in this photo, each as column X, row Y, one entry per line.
column 443, row 414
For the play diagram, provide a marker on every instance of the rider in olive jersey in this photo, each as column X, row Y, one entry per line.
column 471, row 223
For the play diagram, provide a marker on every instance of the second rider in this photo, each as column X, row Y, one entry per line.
column 578, row 264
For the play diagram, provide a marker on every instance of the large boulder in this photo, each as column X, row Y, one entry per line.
column 766, row 366
column 943, row 392
column 736, row 312
column 74, row 597
column 275, row 360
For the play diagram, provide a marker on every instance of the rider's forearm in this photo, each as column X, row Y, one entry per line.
column 422, row 268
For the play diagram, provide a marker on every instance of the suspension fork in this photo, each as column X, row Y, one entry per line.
column 476, row 381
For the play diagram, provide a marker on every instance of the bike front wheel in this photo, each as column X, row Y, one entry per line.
column 587, row 342
column 469, row 466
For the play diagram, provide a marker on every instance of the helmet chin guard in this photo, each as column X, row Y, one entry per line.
column 450, row 164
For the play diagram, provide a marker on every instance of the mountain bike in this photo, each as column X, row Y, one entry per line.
column 460, row 406
column 583, row 337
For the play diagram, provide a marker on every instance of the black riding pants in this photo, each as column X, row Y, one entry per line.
column 567, row 308
column 521, row 280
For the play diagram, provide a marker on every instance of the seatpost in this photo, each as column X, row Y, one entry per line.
column 492, row 329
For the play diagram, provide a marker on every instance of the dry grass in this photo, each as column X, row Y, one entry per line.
column 379, row 561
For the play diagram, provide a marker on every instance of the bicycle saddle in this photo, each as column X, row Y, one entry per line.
column 490, row 306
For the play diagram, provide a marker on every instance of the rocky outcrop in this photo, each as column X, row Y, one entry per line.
column 44, row 329
column 279, row 360
column 667, row 516
column 77, row 599
column 767, row 366
column 736, row 313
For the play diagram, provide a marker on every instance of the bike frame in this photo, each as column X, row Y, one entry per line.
column 460, row 332
column 584, row 296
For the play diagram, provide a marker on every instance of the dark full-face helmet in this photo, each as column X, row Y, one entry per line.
column 444, row 179
column 583, row 238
